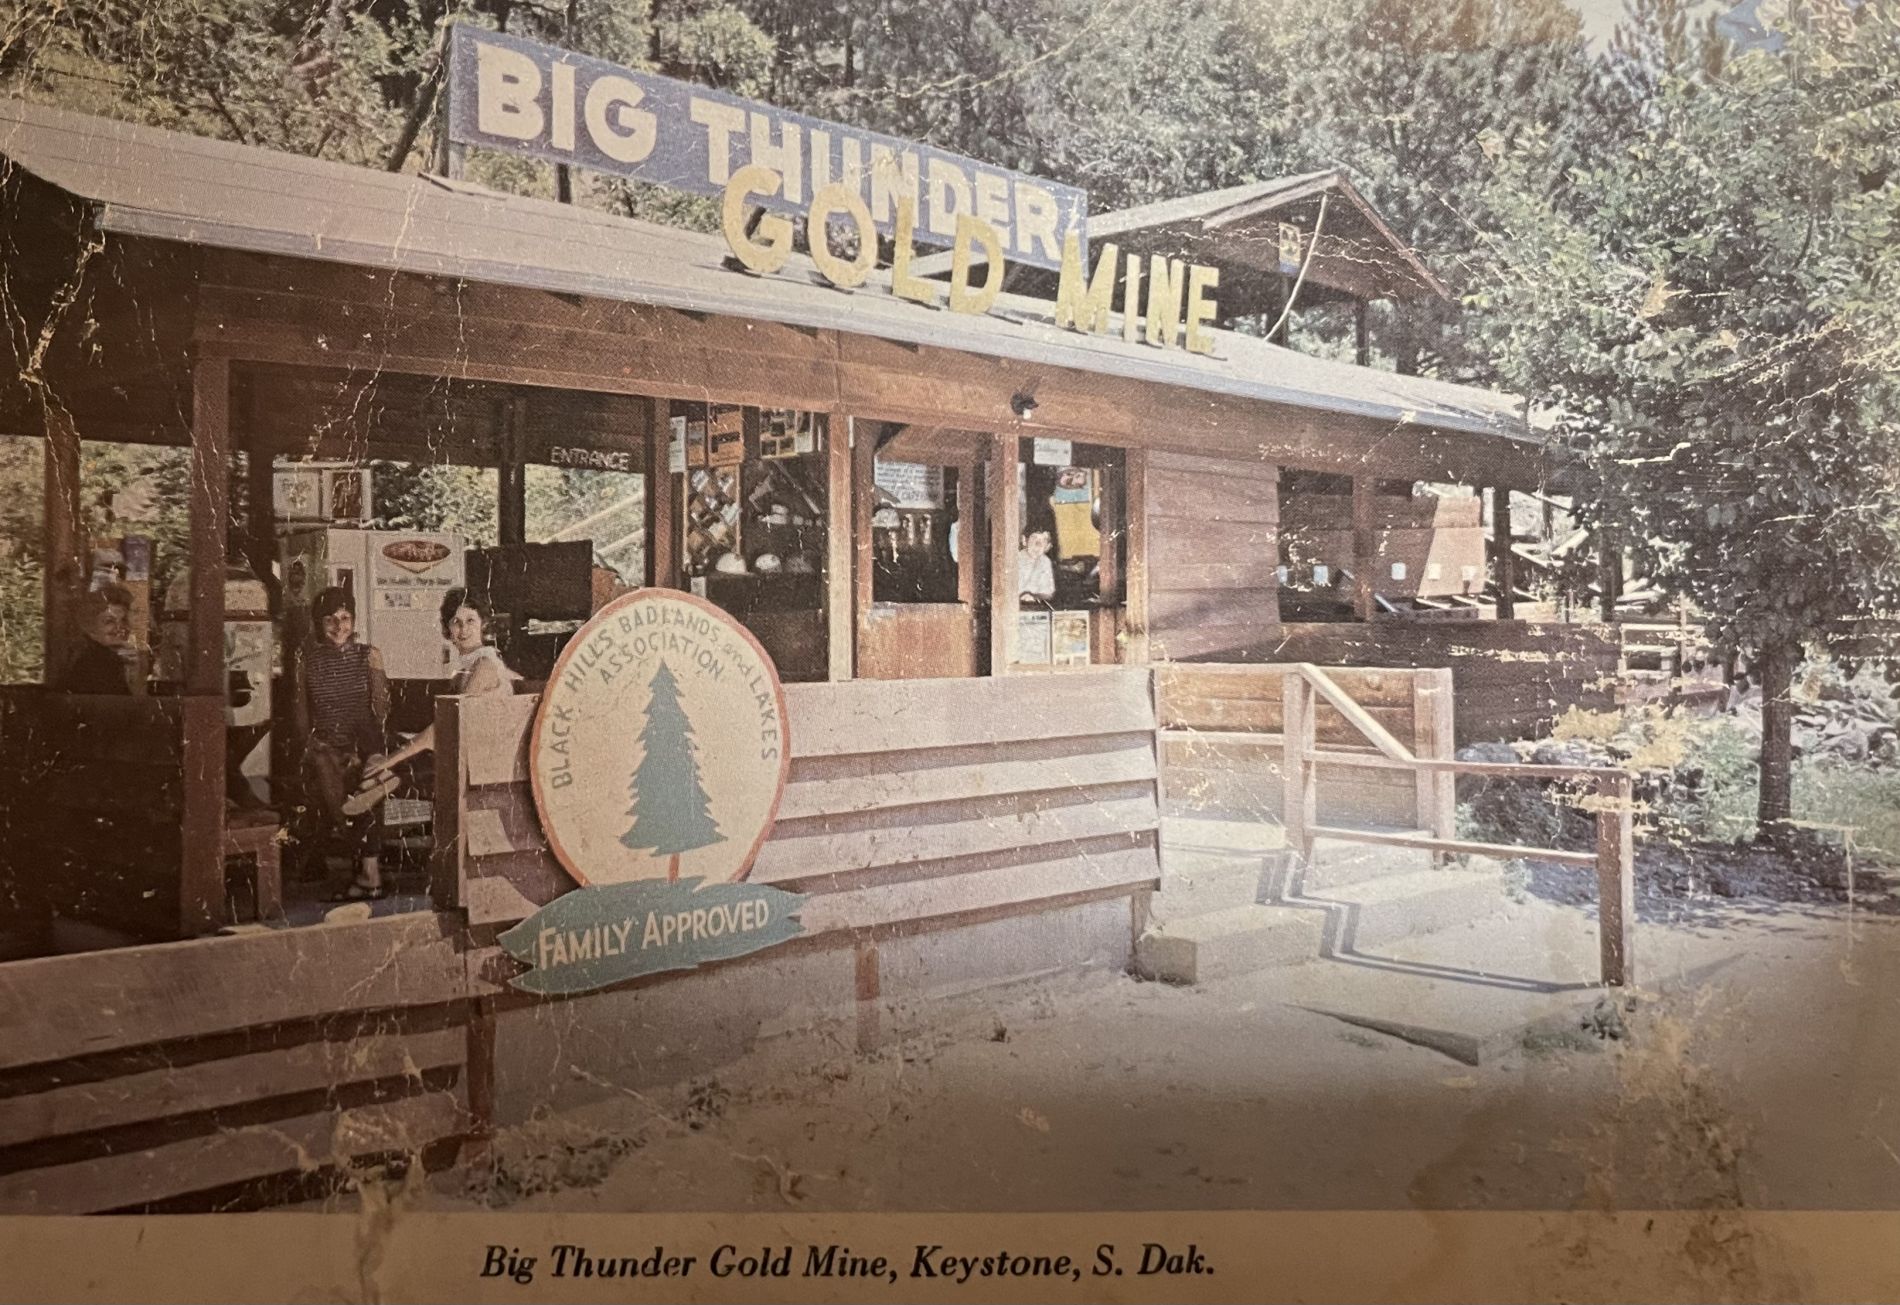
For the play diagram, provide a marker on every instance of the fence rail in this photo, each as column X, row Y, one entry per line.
column 1614, row 858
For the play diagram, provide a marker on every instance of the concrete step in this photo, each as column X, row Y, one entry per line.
column 1393, row 907
column 1236, row 941
column 1337, row 863
column 1204, row 883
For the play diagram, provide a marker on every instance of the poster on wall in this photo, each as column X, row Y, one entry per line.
column 1069, row 638
column 909, row 485
column 725, row 436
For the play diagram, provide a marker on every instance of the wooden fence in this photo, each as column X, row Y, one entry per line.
column 136, row 1077
column 908, row 800
column 1222, row 742
column 1513, row 678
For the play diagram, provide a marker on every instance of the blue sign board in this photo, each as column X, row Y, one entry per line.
column 509, row 94
column 595, row 937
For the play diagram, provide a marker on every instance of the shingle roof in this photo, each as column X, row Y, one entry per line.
column 164, row 185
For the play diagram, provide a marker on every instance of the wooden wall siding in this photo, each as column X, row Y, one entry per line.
column 908, row 800
column 1213, row 547
column 1221, row 744
column 150, row 1074
column 1512, row 678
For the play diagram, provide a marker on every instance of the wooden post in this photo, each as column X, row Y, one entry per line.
column 1300, row 806
column 840, row 538
column 663, row 501
column 479, row 1078
column 863, row 504
column 1609, row 577
column 201, row 866
column 1006, row 515
column 1365, row 546
column 448, row 861
column 1362, row 333
column 1135, row 514
column 1433, row 730
column 1616, row 879
column 64, row 579
column 1501, row 546
column 511, row 511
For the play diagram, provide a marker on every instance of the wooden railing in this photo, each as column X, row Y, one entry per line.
column 1614, row 859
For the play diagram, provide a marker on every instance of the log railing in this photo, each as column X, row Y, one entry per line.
column 1614, row 858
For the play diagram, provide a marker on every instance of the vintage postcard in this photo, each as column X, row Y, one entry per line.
column 1061, row 650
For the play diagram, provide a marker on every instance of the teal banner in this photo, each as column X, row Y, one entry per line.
column 596, row 937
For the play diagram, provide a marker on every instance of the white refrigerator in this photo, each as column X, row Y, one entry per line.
column 399, row 578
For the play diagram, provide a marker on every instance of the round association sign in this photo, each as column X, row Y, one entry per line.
column 661, row 746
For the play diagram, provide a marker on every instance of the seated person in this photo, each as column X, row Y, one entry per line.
column 1035, row 573
column 97, row 666
column 338, row 713
column 480, row 671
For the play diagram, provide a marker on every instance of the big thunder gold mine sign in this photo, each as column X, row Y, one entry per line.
column 850, row 187
column 658, row 758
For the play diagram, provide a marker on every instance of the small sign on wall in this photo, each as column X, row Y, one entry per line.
column 1032, row 638
column 1052, row 453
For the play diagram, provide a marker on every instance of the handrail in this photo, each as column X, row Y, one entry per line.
column 1360, row 719
column 1614, row 857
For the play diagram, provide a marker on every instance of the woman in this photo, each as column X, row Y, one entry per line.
column 480, row 671
column 98, row 666
column 339, row 711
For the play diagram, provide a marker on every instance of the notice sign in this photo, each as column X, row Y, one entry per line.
column 661, row 746
column 509, row 94
column 601, row 936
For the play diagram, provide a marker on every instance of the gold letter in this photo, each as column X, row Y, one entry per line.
column 903, row 284
column 1131, row 299
column 766, row 255
column 840, row 198
column 962, row 298
column 1077, row 308
column 1200, row 307
column 1167, row 279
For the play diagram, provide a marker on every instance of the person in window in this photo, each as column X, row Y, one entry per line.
column 1035, row 573
column 480, row 670
column 339, row 710
column 99, row 667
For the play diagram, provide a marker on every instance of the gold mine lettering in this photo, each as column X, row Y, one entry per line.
column 1080, row 305
column 766, row 254
column 1131, row 300
column 1201, row 307
column 904, row 285
column 840, row 198
column 962, row 298
column 1167, row 282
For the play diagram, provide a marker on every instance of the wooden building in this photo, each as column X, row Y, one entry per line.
column 970, row 790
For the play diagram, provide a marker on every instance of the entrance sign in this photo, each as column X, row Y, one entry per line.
column 601, row 936
column 509, row 94
column 661, row 745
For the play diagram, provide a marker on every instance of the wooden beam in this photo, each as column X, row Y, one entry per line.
column 1432, row 739
column 511, row 482
column 863, row 502
column 64, row 578
column 1006, row 514
column 840, row 550
column 663, row 504
column 1362, row 333
column 210, row 507
column 1365, row 545
column 1135, row 509
column 1300, row 793
column 1502, row 552
column 201, row 865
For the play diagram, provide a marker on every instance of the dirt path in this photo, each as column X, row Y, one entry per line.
column 1774, row 1084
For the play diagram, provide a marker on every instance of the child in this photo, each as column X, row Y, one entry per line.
column 1035, row 573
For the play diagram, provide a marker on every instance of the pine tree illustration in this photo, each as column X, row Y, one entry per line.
column 669, row 802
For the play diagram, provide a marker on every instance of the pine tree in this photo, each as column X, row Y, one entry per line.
column 669, row 802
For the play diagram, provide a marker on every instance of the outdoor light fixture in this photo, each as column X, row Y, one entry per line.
column 1022, row 403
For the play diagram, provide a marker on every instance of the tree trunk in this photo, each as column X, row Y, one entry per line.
column 1777, row 741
